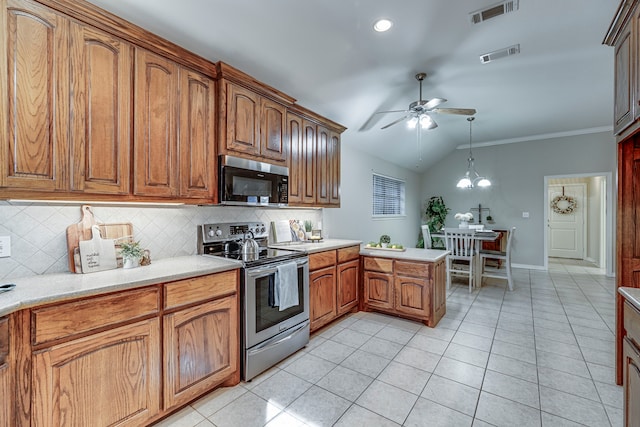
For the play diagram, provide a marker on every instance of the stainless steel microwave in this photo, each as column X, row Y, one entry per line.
column 252, row 183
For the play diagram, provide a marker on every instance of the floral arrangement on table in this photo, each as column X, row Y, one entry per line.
column 464, row 219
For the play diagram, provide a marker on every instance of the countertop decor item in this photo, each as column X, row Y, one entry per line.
column 97, row 254
column 464, row 219
column 385, row 240
column 131, row 253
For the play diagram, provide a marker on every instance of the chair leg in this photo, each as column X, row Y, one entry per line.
column 471, row 275
column 509, row 278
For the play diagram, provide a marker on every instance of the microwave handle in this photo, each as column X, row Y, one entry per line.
column 272, row 269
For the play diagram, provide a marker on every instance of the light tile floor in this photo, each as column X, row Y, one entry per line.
column 542, row 355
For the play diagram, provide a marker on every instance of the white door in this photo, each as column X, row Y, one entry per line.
column 567, row 222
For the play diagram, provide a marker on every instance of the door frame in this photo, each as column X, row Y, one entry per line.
column 608, row 217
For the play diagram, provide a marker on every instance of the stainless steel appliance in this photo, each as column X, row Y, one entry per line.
column 248, row 182
column 268, row 334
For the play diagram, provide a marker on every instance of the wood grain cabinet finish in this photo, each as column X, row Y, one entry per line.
column 297, row 165
column 322, row 296
column 6, row 376
column 198, row 166
column 201, row 349
column 34, row 97
column 334, row 169
column 253, row 126
column 410, row 289
column 631, row 366
column 109, row 378
column 323, row 183
column 156, row 125
column 100, row 111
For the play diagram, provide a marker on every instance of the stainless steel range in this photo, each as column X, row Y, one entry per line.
column 272, row 329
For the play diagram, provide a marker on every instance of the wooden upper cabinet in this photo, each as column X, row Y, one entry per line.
column 156, row 110
column 242, row 120
column 322, row 166
column 100, row 137
column 624, row 88
column 308, row 162
column 197, row 136
column 334, row 169
column 295, row 139
column 34, row 95
column 273, row 140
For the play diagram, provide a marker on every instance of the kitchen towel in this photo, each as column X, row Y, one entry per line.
column 286, row 286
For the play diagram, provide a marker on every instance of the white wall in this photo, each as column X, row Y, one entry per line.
column 353, row 219
column 517, row 172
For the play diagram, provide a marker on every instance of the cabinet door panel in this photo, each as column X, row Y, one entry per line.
column 272, row 131
column 243, row 125
column 155, row 157
column 412, row 296
column 35, row 94
column 334, row 169
column 623, row 108
column 74, row 381
column 295, row 137
column 309, row 163
column 348, row 274
column 631, row 368
column 201, row 345
column 322, row 296
column 6, row 385
column 322, row 165
column 197, row 135
column 378, row 290
column 101, row 67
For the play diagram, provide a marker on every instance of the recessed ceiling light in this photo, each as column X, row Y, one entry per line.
column 382, row 25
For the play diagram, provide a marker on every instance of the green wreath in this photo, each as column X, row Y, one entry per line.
column 563, row 204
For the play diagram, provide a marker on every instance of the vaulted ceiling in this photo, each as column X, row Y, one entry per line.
column 325, row 54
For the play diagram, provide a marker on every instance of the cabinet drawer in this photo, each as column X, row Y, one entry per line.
column 632, row 322
column 404, row 268
column 77, row 317
column 347, row 254
column 196, row 289
column 322, row 259
column 4, row 339
column 382, row 265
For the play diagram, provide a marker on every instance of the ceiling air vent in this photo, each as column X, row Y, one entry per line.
column 494, row 10
column 500, row 53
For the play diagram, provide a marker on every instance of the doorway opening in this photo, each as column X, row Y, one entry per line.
column 583, row 231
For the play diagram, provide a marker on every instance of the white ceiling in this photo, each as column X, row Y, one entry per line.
column 325, row 54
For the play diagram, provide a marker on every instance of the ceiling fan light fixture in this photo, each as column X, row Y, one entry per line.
column 425, row 121
column 412, row 123
column 382, row 25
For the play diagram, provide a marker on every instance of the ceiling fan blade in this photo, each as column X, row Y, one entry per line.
column 433, row 103
column 395, row 122
column 459, row 111
column 392, row 111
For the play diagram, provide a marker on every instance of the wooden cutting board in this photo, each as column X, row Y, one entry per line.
column 78, row 232
column 97, row 254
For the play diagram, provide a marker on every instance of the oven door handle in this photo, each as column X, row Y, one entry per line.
column 274, row 342
column 272, row 268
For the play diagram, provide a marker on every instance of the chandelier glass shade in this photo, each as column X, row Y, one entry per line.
column 471, row 177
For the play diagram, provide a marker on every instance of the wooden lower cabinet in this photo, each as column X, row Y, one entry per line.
column 6, row 376
column 201, row 349
column 333, row 284
column 109, row 378
column 322, row 296
column 410, row 289
column 631, row 366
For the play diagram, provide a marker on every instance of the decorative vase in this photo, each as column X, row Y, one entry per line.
column 130, row 262
column 464, row 224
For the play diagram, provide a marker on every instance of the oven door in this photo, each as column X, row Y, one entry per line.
column 262, row 320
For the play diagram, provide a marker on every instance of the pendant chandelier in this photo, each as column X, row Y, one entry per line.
column 472, row 178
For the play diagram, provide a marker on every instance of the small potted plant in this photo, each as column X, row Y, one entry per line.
column 308, row 227
column 132, row 253
column 385, row 240
column 489, row 219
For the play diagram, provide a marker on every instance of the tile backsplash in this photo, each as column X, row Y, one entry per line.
column 38, row 230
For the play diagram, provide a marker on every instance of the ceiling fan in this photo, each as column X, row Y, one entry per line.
column 419, row 111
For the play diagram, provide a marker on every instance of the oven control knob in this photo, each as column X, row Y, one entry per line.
column 218, row 232
column 262, row 230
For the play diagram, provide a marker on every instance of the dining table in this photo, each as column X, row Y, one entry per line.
column 478, row 237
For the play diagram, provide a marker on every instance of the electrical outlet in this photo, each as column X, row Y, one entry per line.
column 5, row 246
column 525, row 214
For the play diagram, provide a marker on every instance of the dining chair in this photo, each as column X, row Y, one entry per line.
column 426, row 236
column 499, row 273
column 460, row 243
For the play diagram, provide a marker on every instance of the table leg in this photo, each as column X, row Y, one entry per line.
column 477, row 268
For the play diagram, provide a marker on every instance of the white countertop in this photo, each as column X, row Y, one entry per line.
column 46, row 288
column 312, row 247
column 414, row 254
column 631, row 294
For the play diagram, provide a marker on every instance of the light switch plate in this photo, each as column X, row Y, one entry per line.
column 525, row 214
column 5, row 246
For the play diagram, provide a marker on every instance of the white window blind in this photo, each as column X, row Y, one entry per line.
column 388, row 196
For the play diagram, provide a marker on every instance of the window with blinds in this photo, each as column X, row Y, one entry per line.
column 388, row 196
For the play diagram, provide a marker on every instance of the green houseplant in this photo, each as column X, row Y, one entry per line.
column 385, row 240
column 131, row 253
column 435, row 213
